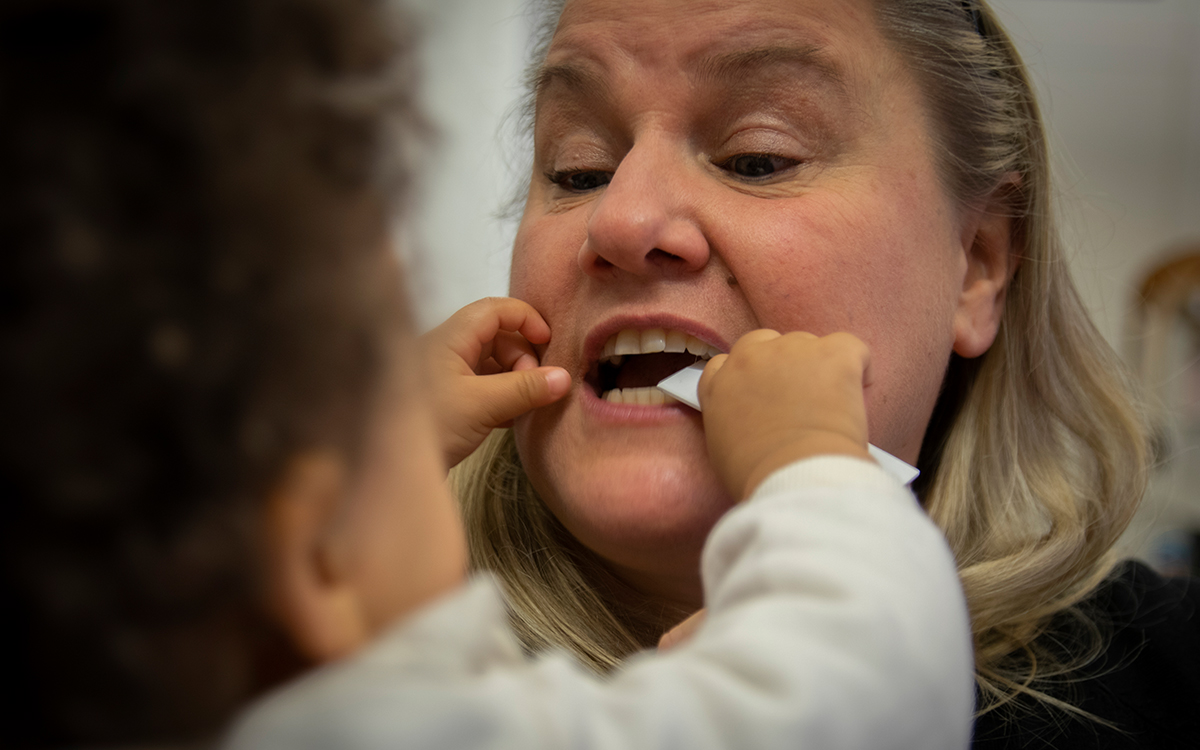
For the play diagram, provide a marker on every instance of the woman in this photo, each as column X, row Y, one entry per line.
column 823, row 165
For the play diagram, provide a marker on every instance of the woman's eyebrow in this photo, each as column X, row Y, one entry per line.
column 743, row 64
column 585, row 81
column 578, row 79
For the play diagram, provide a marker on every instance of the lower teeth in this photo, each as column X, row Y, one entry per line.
column 638, row 396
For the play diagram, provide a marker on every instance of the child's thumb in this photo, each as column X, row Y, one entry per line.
column 508, row 395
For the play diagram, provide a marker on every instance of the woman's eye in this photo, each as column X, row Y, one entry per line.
column 580, row 182
column 757, row 166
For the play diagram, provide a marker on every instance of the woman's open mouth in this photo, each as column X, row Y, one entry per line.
column 633, row 362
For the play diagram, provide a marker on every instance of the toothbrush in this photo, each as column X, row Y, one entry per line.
column 684, row 386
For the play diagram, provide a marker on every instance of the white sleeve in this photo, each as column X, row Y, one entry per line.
column 835, row 620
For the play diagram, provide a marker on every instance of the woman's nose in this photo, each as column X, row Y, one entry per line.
column 645, row 222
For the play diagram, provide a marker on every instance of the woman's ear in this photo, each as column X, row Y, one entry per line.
column 306, row 583
column 990, row 244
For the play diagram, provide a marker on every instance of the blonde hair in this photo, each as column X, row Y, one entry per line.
column 1036, row 456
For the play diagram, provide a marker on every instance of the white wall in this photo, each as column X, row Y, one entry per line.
column 473, row 53
column 1119, row 82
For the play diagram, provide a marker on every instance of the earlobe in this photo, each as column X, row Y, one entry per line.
column 306, row 583
column 989, row 242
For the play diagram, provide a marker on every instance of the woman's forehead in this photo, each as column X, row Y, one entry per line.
column 597, row 40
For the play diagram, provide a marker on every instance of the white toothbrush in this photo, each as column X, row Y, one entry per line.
column 684, row 385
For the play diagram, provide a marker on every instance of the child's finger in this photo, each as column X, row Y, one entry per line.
column 749, row 340
column 710, row 372
column 858, row 350
column 470, row 331
column 514, row 352
column 754, row 338
column 507, row 395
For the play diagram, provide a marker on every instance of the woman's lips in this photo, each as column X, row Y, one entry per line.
column 626, row 355
column 629, row 341
column 646, row 334
column 632, row 378
column 630, row 361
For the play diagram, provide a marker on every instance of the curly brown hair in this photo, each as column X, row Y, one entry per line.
column 193, row 222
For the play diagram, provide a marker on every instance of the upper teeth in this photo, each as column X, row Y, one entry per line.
column 653, row 341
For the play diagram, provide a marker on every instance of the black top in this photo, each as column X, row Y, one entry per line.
column 1147, row 683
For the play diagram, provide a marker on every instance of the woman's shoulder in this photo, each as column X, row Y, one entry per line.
column 1137, row 598
column 1146, row 683
column 1150, row 670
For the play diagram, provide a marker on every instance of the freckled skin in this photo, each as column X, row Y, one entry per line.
column 854, row 233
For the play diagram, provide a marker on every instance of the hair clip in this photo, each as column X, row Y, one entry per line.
column 972, row 9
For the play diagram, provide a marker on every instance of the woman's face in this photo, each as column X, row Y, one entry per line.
column 708, row 168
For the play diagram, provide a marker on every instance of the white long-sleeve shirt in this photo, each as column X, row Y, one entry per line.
column 835, row 620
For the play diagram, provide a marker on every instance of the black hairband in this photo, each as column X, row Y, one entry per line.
column 972, row 9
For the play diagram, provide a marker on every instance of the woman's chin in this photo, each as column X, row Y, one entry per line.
column 641, row 494
column 642, row 513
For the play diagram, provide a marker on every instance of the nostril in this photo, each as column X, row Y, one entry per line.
column 591, row 261
column 662, row 259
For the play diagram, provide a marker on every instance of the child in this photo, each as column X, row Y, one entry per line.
column 220, row 466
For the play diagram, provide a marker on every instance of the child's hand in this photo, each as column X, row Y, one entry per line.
column 776, row 399
column 484, row 371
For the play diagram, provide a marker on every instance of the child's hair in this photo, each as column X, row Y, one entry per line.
column 193, row 205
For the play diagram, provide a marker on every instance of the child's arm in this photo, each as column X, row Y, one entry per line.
column 835, row 616
column 484, row 371
column 776, row 399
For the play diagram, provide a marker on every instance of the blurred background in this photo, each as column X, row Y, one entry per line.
column 1119, row 82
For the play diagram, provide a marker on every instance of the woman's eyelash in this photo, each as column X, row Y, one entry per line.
column 579, row 180
column 757, row 166
column 749, row 166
